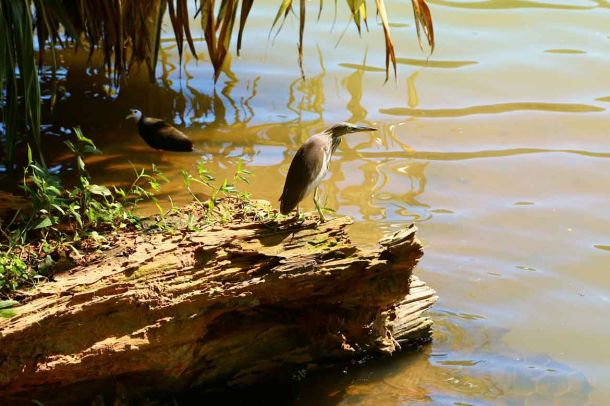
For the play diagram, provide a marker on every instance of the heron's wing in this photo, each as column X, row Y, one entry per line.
column 304, row 169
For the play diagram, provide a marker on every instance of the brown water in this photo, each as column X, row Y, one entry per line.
column 498, row 147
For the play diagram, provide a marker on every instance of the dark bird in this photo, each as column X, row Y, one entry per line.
column 310, row 165
column 159, row 134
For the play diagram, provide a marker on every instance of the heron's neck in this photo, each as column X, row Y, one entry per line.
column 335, row 141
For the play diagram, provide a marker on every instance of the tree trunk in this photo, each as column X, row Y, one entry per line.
column 230, row 305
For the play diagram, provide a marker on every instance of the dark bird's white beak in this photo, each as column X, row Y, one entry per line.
column 131, row 115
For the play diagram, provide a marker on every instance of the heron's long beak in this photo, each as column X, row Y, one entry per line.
column 131, row 115
column 364, row 128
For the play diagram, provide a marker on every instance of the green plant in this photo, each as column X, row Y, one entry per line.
column 13, row 271
column 61, row 221
column 87, row 205
column 216, row 191
column 206, row 178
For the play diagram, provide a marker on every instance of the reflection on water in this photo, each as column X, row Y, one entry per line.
column 459, row 369
column 434, row 64
column 451, row 156
column 492, row 109
column 496, row 148
column 564, row 51
column 508, row 4
column 412, row 90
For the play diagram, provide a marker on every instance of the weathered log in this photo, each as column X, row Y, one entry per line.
column 225, row 306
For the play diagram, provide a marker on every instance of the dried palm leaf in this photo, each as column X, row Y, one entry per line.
column 423, row 20
column 246, row 5
column 390, row 56
column 301, row 30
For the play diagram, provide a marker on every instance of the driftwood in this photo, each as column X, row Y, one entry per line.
column 226, row 306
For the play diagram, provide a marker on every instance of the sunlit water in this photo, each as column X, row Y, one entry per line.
column 498, row 148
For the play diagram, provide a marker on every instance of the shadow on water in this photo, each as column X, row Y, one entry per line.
column 459, row 367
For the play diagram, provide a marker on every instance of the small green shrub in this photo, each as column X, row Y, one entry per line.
column 13, row 271
column 61, row 220
column 63, row 223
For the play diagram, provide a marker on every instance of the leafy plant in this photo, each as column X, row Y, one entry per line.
column 13, row 271
column 60, row 220
column 87, row 205
column 206, row 178
column 217, row 191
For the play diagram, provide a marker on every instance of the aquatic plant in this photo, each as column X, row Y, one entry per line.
column 59, row 223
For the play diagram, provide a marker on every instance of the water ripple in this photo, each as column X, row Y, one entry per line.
column 564, row 51
column 510, row 4
column 493, row 109
column 365, row 68
column 434, row 64
column 458, row 156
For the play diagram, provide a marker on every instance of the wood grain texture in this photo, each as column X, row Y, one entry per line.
column 230, row 305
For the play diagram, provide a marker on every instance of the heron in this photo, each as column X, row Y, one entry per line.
column 310, row 165
column 159, row 134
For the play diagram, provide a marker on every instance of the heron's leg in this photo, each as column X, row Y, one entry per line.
column 315, row 201
column 298, row 216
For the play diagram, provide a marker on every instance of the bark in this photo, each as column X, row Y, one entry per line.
column 230, row 305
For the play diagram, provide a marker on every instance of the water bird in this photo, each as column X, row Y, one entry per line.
column 310, row 165
column 159, row 134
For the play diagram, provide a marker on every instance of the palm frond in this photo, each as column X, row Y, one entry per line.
column 246, row 5
column 423, row 21
column 390, row 57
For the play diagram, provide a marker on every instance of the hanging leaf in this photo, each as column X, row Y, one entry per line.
column 283, row 10
column 301, row 30
column 174, row 18
column 218, row 47
column 152, row 61
column 390, row 57
column 423, row 20
column 355, row 8
column 246, row 5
